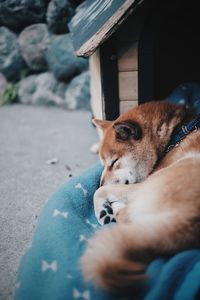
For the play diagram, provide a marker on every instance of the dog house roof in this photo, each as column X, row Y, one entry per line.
column 96, row 20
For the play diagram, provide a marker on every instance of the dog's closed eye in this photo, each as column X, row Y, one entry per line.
column 113, row 162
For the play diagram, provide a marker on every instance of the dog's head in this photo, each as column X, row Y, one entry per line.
column 132, row 144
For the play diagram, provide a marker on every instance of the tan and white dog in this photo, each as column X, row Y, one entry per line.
column 154, row 198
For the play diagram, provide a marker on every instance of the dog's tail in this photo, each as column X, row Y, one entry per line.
column 114, row 259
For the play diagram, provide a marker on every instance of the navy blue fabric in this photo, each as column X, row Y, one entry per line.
column 49, row 270
column 177, row 278
column 188, row 94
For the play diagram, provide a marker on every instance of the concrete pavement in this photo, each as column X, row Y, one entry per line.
column 30, row 139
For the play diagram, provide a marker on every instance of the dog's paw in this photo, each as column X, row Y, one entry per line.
column 107, row 211
column 104, row 212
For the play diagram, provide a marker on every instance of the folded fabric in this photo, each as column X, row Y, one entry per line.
column 177, row 278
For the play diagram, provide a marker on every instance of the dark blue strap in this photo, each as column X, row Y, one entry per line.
column 185, row 130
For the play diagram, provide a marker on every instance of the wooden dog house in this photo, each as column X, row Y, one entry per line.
column 139, row 50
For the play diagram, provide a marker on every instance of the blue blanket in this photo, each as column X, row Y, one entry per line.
column 50, row 268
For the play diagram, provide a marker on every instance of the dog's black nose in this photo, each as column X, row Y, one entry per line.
column 126, row 182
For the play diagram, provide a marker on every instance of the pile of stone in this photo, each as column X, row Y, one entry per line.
column 36, row 54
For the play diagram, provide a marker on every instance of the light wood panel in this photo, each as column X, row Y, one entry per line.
column 128, row 85
column 95, row 86
column 126, row 105
column 128, row 57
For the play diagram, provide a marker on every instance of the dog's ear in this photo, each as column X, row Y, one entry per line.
column 172, row 116
column 128, row 129
column 176, row 114
column 101, row 124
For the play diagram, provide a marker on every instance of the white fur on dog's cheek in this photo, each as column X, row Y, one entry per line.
column 126, row 171
column 129, row 169
column 122, row 175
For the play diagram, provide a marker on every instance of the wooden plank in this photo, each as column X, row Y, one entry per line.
column 95, row 86
column 96, row 20
column 96, row 103
column 128, row 85
column 128, row 57
column 126, row 105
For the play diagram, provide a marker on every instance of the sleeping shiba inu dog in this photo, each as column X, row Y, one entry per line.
column 151, row 187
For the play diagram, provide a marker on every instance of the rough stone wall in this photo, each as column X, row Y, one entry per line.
column 37, row 63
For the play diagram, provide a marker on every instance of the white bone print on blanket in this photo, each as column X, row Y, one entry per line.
column 85, row 295
column 63, row 214
column 83, row 238
column 49, row 266
column 79, row 186
column 88, row 222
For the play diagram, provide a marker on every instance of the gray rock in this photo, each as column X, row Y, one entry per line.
column 42, row 89
column 17, row 14
column 34, row 41
column 61, row 59
column 59, row 13
column 11, row 61
column 77, row 95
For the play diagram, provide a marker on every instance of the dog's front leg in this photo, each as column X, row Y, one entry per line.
column 109, row 200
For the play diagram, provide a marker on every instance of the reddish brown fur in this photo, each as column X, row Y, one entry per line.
column 162, row 213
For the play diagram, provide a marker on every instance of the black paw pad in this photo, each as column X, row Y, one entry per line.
column 102, row 214
column 106, row 214
column 108, row 208
column 107, row 220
